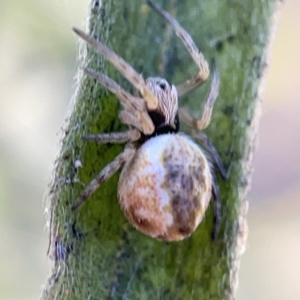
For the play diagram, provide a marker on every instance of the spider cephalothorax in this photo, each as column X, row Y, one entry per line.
column 167, row 180
column 165, row 118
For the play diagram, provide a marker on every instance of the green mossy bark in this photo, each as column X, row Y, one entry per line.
column 96, row 253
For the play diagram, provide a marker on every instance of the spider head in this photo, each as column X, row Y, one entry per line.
column 165, row 117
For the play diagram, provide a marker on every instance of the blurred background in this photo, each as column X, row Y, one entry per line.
column 36, row 84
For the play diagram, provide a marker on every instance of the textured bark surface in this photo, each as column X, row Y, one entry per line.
column 95, row 252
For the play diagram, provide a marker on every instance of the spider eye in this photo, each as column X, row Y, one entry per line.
column 162, row 86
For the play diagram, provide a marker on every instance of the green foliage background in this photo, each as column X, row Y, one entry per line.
column 37, row 65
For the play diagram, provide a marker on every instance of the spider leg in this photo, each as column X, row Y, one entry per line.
column 214, row 156
column 217, row 210
column 201, row 124
column 105, row 174
column 216, row 161
column 123, row 67
column 134, row 105
column 114, row 137
column 197, row 56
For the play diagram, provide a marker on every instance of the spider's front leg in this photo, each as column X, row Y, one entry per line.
column 124, row 68
column 197, row 56
column 105, row 174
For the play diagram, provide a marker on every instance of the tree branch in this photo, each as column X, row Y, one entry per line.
column 95, row 252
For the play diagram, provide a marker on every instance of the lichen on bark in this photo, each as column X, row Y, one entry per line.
column 95, row 252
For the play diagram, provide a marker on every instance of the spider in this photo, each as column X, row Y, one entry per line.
column 167, row 180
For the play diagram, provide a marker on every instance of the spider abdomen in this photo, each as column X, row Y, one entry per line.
column 165, row 189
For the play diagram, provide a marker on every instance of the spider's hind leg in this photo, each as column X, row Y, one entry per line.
column 214, row 156
column 217, row 210
column 217, row 164
column 105, row 174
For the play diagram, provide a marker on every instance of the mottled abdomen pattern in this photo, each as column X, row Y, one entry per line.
column 165, row 189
